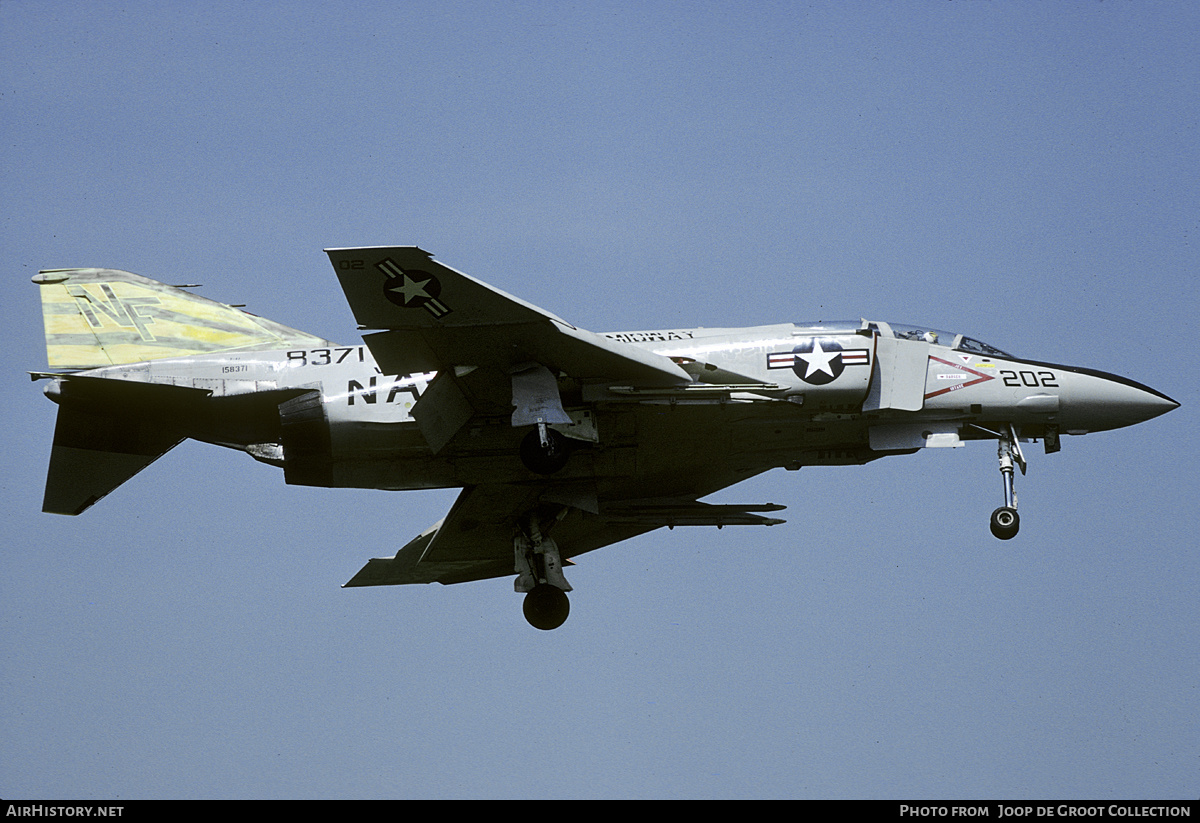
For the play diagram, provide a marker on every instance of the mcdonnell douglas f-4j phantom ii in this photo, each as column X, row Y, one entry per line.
column 562, row 440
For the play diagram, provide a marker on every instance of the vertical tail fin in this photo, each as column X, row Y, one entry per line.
column 105, row 317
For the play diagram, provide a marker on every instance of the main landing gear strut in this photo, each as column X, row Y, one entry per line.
column 1005, row 520
column 540, row 576
column 536, row 402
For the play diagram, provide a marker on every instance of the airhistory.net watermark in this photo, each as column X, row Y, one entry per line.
column 46, row 810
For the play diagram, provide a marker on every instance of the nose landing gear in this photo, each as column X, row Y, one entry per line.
column 1005, row 520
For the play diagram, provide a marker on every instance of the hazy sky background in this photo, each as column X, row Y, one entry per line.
column 1024, row 172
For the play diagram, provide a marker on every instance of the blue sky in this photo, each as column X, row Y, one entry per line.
column 1022, row 172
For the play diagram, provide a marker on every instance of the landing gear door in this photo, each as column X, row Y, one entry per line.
column 898, row 376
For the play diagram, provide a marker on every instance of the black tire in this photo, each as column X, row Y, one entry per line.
column 546, row 607
column 1005, row 523
column 540, row 459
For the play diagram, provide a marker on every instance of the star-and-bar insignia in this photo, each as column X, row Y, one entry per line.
column 819, row 361
column 411, row 289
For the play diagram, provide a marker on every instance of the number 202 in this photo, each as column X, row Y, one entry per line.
column 1045, row 379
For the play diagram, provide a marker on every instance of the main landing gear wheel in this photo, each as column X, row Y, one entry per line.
column 1005, row 522
column 546, row 607
column 544, row 451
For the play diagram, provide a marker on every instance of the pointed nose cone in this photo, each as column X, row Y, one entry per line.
column 1144, row 406
column 1097, row 401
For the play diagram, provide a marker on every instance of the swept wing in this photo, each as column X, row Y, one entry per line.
column 475, row 540
column 431, row 317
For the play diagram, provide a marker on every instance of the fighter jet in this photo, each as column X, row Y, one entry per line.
column 561, row 440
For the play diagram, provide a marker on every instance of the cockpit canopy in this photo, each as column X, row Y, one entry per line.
column 937, row 337
column 943, row 338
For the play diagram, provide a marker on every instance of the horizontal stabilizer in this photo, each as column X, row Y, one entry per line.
column 93, row 453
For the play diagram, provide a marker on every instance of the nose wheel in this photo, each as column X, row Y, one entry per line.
column 1005, row 522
